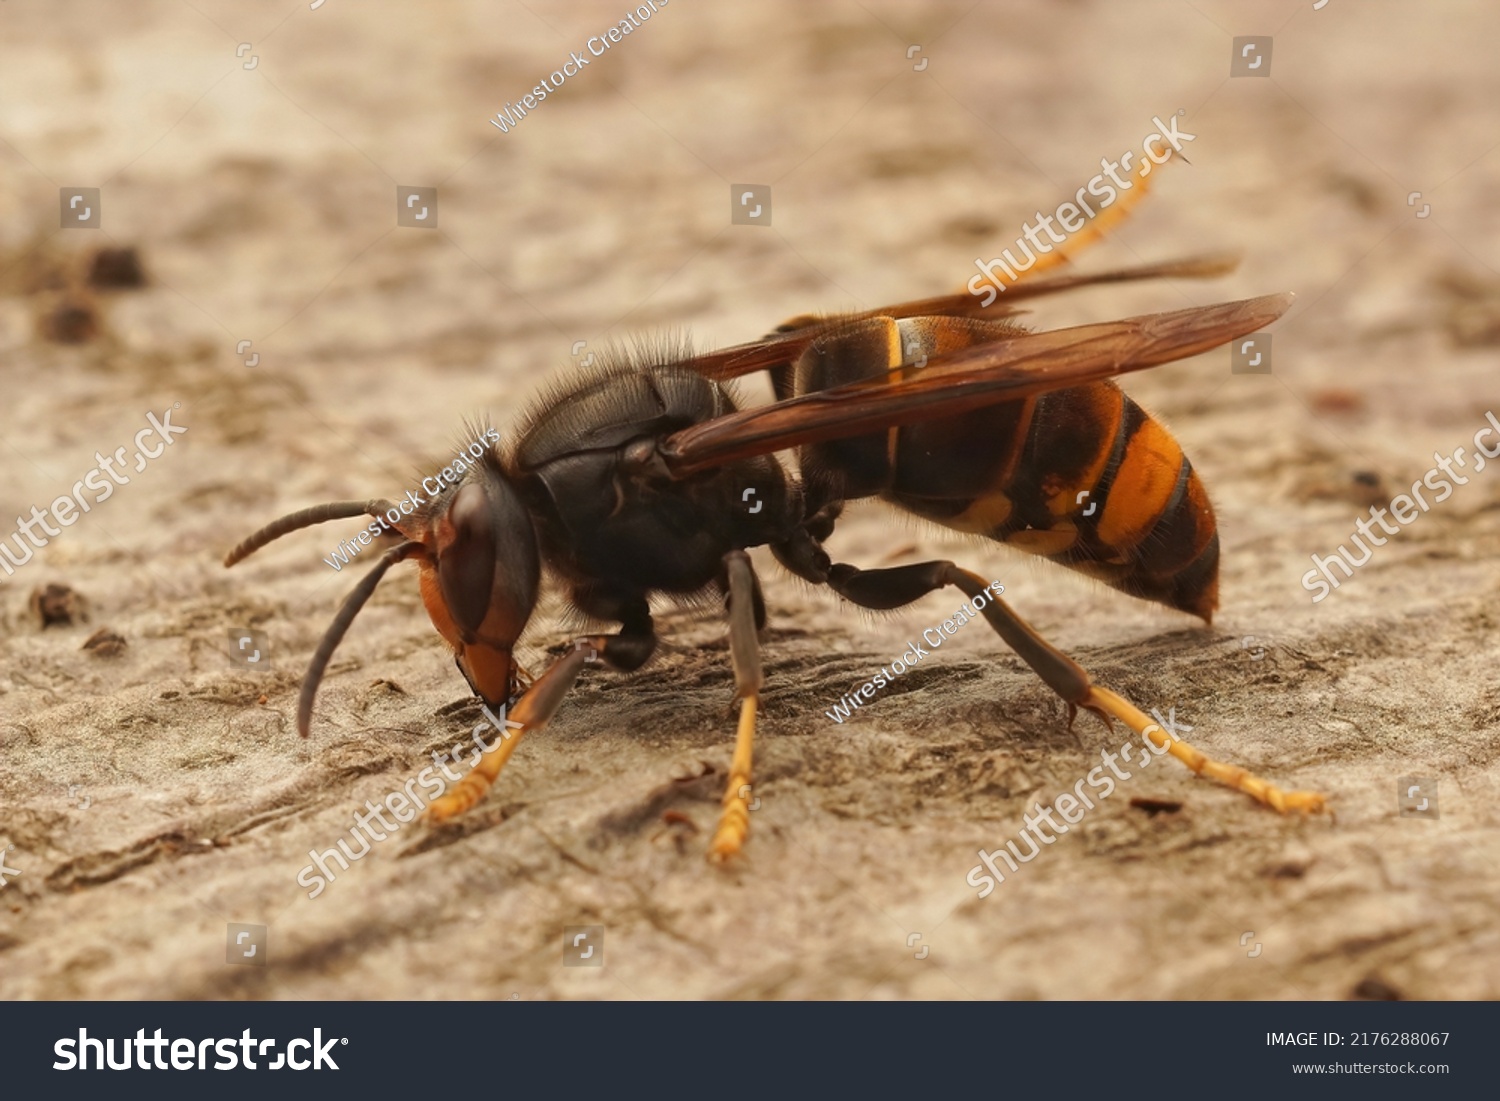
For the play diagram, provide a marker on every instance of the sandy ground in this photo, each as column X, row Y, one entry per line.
column 152, row 793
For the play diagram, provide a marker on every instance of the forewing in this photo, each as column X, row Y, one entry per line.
column 784, row 347
column 984, row 375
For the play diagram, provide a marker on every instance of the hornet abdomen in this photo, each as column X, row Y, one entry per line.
column 1082, row 476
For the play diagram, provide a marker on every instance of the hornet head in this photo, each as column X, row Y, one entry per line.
column 476, row 548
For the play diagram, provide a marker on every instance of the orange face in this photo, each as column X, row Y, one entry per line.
column 479, row 580
column 488, row 666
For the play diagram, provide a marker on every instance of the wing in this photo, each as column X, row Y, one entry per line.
column 1002, row 371
column 785, row 345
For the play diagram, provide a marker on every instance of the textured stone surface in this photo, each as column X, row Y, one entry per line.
column 154, row 798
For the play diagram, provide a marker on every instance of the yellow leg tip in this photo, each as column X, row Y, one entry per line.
column 734, row 822
column 1305, row 802
column 1231, row 776
column 722, row 852
column 465, row 795
column 729, row 838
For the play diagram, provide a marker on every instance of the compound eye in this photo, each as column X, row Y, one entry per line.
column 466, row 558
